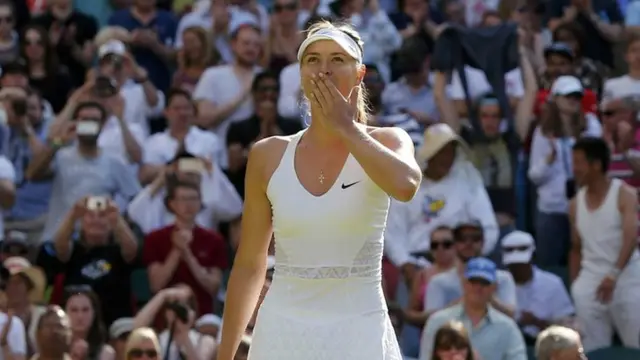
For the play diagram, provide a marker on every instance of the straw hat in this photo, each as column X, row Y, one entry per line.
column 17, row 265
column 435, row 138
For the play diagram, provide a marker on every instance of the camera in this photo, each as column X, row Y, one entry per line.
column 181, row 311
column 105, row 86
column 96, row 203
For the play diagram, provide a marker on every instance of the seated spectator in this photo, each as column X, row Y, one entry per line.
column 26, row 136
column 197, row 54
column 220, row 106
column 493, row 334
column 53, row 334
column 100, row 254
column 452, row 187
column 542, row 296
column 181, row 133
column 9, row 36
column 184, row 252
column 452, row 342
column 441, row 248
column 70, row 30
column 558, row 342
column 177, row 306
column 220, row 201
column 152, row 37
column 263, row 123
column 15, row 75
column 142, row 343
column 119, row 332
column 81, row 169
column 627, row 84
column 447, row 288
column 24, row 287
column 550, row 166
column 621, row 132
column 284, row 38
column 88, row 335
column 46, row 75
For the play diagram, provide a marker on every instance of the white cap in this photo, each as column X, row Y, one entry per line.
column 209, row 319
column 115, row 47
column 517, row 239
column 565, row 85
column 345, row 41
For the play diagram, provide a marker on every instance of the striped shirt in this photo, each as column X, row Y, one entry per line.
column 619, row 167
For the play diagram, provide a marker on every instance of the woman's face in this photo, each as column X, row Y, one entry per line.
column 569, row 104
column 94, row 224
column 442, row 246
column 453, row 354
column 7, row 21
column 80, row 311
column 489, row 115
column 191, row 43
column 266, row 89
column 143, row 349
column 33, row 45
column 17, row 289
column 327, row 57
column 286, row 11
column 440, row 164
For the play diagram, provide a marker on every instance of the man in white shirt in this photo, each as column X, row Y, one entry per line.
column 13, row 340
column 628, row 84
column 542, row 296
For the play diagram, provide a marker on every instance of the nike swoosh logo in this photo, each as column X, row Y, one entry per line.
column 348, row 185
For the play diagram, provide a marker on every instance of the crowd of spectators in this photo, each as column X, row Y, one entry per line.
column 124, row 132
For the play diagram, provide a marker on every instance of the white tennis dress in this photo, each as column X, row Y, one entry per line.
column 326, row 300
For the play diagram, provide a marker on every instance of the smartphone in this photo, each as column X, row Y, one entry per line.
column 96, row 203
column 191, row 165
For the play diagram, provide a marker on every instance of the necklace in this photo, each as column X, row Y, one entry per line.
column 321, row 177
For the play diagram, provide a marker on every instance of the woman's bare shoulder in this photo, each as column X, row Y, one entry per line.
column 265, row 155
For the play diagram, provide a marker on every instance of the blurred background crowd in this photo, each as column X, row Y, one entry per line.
column 124, row 132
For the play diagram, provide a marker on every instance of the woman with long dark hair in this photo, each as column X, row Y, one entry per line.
column 83, row 308
column 45, row 73
column 452, row 343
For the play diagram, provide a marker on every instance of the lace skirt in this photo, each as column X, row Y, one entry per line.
column 364, row 337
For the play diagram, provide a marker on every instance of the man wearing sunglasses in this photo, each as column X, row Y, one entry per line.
column 542, row 297
column 492, row 334
column 446, row 289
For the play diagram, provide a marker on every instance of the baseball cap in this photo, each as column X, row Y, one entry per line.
column 559, row 48
column 121, row 327
column 17, row 66
column 521, row 247
column 112, row 47
column 14, row 237
column 209, row 319
column 481, row 268
column 567, row 85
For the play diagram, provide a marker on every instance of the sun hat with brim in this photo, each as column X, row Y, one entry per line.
column 435, row 138
column 19, row 266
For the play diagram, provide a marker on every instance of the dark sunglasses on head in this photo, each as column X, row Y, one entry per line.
column 138, row 353
column 283, row 7
column 446, row 244
column 515, row 248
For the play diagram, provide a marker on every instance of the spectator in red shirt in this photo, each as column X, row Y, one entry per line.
column 184, row 252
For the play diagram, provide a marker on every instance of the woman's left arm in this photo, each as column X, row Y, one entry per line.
column 387, row 155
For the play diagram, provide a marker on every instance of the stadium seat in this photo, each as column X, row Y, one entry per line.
column 140, row 286
column 614, row 352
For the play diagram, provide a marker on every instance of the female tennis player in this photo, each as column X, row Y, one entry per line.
column 324, row 193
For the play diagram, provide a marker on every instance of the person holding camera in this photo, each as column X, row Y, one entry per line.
column 101, row 255
column 178, row 340
column 81, row 169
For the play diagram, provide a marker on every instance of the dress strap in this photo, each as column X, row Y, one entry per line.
column 289, row 152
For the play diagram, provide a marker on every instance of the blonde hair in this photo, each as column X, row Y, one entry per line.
column 141, row 334
column 112, row 33
column 362, row 103
column 210, row 56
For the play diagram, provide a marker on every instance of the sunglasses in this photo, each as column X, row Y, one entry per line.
column 33, row 42
column 508, row 249
column 446, row 244
column 283, row 7
column 138, row 353
column 268, row 89
column 609, row 112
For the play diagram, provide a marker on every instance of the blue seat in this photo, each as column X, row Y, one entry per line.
column 614, row 353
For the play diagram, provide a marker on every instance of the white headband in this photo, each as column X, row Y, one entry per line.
column 342, row 39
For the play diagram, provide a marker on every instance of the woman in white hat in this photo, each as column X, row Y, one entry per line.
column 325, row 193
